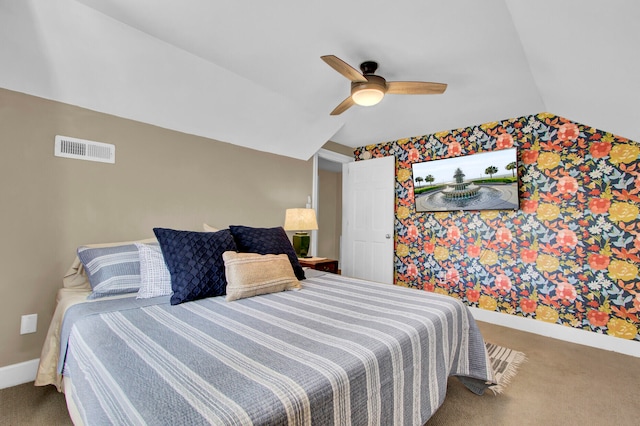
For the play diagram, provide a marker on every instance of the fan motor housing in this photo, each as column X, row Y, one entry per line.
column 373, row 82
column 368, row 67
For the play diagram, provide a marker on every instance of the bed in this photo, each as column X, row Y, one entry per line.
column 332, row 350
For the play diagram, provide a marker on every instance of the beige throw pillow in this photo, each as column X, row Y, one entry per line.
column 250, row 274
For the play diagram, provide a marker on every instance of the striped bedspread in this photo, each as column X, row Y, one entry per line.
column 339, row 351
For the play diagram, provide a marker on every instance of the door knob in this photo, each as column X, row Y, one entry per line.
column 388, row 236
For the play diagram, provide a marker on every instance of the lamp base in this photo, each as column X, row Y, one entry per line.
column 301, row 244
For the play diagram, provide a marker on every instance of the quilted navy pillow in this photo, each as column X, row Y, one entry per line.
column 194, row 260
column 266, row 241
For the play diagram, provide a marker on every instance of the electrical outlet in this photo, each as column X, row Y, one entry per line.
column 29, row 324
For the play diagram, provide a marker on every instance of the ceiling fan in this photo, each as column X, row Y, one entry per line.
column 368, row 89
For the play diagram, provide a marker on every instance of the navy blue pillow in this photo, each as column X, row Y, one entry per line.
column 194, row 260
column 266, row 241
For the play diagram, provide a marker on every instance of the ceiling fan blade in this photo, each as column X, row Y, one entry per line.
column 415, row 88
column 344, row 105
column 343, row 68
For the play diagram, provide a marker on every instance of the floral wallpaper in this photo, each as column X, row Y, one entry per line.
column 570, row 255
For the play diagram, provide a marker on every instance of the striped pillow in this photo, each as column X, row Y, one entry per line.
column 111, row 270
column 250, row 274
column 155, row 279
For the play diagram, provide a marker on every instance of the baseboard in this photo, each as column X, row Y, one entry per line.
column 17, row 374
column 556, row 331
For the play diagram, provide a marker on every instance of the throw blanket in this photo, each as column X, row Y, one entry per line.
column 340, row 351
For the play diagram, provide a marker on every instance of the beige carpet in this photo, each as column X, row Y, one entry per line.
column 32, row 405
column 559, row 384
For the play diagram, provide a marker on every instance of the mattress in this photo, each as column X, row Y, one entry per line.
column 339, row 351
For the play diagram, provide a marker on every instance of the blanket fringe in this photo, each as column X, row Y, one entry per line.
column 503, row 374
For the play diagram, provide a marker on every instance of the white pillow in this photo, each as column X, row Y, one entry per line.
column 154, row 275
column 208, row 228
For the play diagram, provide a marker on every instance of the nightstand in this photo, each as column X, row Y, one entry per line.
column 319, row 264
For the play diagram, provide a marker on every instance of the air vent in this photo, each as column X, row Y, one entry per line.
column 81, row 149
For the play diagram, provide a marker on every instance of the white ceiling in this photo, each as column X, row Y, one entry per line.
column 249, row 72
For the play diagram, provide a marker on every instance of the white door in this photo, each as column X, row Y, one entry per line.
column 368, row 198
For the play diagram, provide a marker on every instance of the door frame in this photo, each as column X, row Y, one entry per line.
column 336, row 158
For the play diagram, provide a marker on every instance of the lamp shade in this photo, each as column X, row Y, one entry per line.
column 367, row 96
column 300, row 220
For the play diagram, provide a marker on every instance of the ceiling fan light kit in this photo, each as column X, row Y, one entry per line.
column 367, row 95
column 368, row 89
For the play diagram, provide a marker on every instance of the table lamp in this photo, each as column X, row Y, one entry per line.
column 301, row 221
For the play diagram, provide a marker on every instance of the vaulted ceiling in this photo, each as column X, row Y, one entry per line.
column 249, row 72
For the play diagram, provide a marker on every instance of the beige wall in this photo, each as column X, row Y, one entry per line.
column 329, row 214
column 162, row 178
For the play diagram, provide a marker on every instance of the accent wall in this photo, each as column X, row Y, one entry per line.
column 570, row 255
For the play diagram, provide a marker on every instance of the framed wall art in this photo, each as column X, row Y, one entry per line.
column 482, row 181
